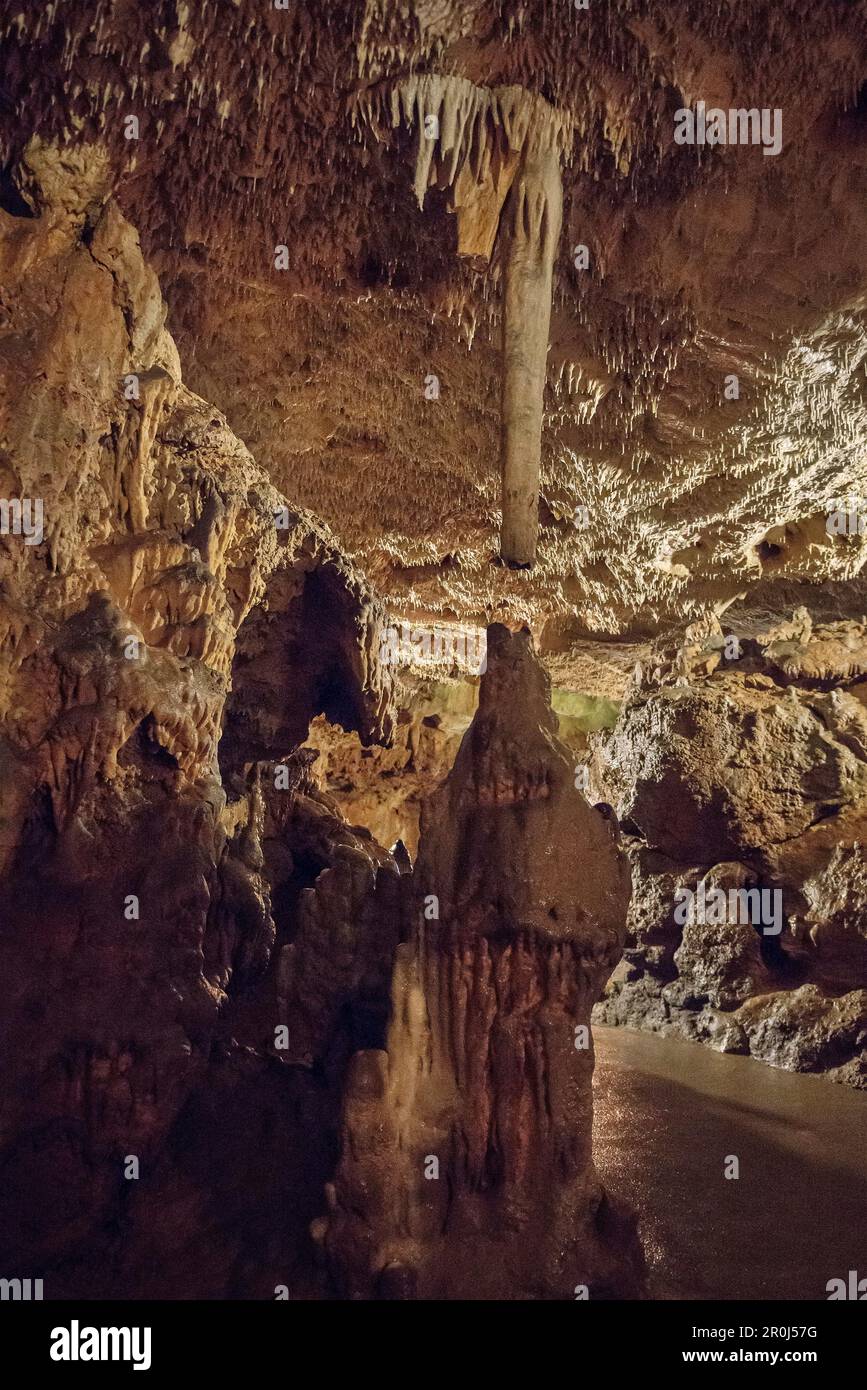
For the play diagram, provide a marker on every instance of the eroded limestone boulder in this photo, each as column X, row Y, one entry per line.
column 732, row 763
column 748, row 772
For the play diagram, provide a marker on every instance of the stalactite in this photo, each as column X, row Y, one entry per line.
column 499, row 151
column 534, row 218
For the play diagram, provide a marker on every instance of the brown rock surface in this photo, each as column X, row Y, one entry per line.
column 194, row 940
column 535, row 363
column 383, row 788
column 466, row 1168
column 762, row 756
column 142, row 916
column 703, row 262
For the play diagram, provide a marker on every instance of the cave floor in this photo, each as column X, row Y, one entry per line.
column 667, row 1115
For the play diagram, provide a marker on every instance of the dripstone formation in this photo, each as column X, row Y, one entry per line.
column 336, row 340
column 404, row 153
column 205, row 965
column 466, row 1167
column 176, row 626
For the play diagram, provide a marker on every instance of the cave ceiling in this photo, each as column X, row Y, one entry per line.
column 665, row 493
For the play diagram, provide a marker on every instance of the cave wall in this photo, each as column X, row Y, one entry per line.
column 170, row 624
column 744, row 766
column 202, row 959
column 214, row 976
column 702, row 263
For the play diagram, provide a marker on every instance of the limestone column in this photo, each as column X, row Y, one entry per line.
column 533, row 216
column 466, row 1167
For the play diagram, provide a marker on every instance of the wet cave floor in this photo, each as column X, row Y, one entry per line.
column 668, row 1114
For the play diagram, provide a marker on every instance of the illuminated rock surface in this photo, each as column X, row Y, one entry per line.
column 749, row 773
column 337, row 321
column 466, row 1166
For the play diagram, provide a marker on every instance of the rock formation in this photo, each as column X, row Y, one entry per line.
column 175, row 625
column 748, row 771
column 466, row 1168
column 188, row 918
column 499, row 152
column 703, row 263
column 303, row 908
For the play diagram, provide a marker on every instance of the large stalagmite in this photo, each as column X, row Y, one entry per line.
column 466, row 1168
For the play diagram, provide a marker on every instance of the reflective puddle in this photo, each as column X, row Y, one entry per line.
column 670, row 1115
